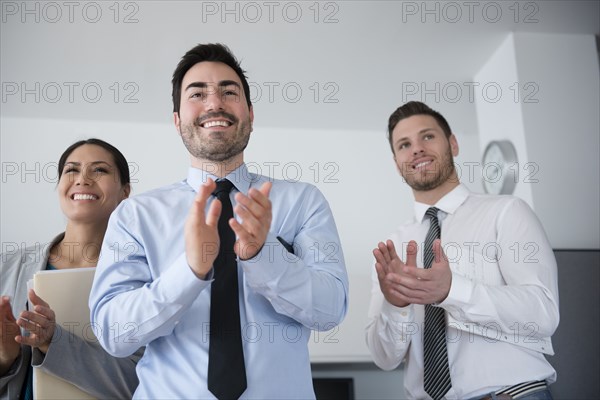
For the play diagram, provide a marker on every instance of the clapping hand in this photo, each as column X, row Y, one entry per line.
column 402, row 283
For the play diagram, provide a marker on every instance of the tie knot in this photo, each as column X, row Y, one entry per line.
column 432, row 212
column 224, row 186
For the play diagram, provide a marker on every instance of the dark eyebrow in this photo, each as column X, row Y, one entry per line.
column 422, row 131
column 77, row 163
column 204, row 85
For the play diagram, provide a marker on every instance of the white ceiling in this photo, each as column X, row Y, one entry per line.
column 363, row 59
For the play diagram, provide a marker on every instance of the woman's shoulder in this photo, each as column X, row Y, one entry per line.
column 18, row 263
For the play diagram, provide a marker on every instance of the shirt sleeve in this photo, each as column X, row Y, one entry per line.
column 525, row 305
column 311, row 285
column 389, row 329
column 129, row 306
column 12, row 267
column 100, row 374
column 11, row 383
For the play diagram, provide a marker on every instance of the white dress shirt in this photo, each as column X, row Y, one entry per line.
column 145, row 293
column 502, row 306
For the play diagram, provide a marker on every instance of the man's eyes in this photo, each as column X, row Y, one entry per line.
column 223, row 93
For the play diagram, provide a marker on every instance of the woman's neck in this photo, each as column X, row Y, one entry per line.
column 79, row 248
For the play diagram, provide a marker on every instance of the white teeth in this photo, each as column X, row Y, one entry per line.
column 422, row 164
column 210, row 124
column 84, row 197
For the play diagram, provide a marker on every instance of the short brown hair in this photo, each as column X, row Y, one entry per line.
column 413, row 108
column 215, row 52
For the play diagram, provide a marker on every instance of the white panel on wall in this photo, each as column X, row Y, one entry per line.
column 499, row 112
column 543, row 96
column 562, row 131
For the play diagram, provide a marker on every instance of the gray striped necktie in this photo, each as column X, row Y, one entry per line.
column 437, row 372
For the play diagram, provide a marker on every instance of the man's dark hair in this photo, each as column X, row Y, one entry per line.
column 215, row 52
column 413, row 108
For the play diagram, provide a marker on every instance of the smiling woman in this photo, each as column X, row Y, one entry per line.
column 94, row 179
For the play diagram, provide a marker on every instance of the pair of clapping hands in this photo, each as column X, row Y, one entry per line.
column 39, row 321
column 403, row 283
column 201, row 228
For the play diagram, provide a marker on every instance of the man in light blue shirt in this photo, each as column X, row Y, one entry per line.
column 154, row 277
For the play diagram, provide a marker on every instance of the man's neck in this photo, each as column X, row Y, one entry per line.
column 431, row 197
column 219, row 169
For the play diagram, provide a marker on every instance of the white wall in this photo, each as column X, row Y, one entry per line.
column 562, row 132
column 30, row 151
column 550, row 113
column 499, row 116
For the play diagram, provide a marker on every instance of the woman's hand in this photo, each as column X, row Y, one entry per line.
column 9, row 347
column 39, row 321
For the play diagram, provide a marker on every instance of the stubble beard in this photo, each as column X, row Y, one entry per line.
column 212, row 149
column 423, row 181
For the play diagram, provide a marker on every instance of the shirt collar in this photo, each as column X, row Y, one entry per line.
column 240, row 177
column 448, row 204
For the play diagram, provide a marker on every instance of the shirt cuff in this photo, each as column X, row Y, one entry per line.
column 15, row 366
column 263, row 269
column 37, row 357
column 461, row 291
column 400, row 321
column 180, row 281
column 398, row 314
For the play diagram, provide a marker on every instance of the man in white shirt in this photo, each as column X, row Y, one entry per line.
column 493, row 279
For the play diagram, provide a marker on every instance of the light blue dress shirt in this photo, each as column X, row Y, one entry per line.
column 145, row 294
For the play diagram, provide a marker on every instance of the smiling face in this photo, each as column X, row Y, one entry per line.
column 89, row 187
column 214, row 119
column 424, row 155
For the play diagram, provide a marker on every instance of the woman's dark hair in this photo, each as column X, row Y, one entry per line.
column 118, row 157
column 215, row 52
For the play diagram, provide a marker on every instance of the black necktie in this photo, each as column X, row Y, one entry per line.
column 436, row 375
column 226, row 370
